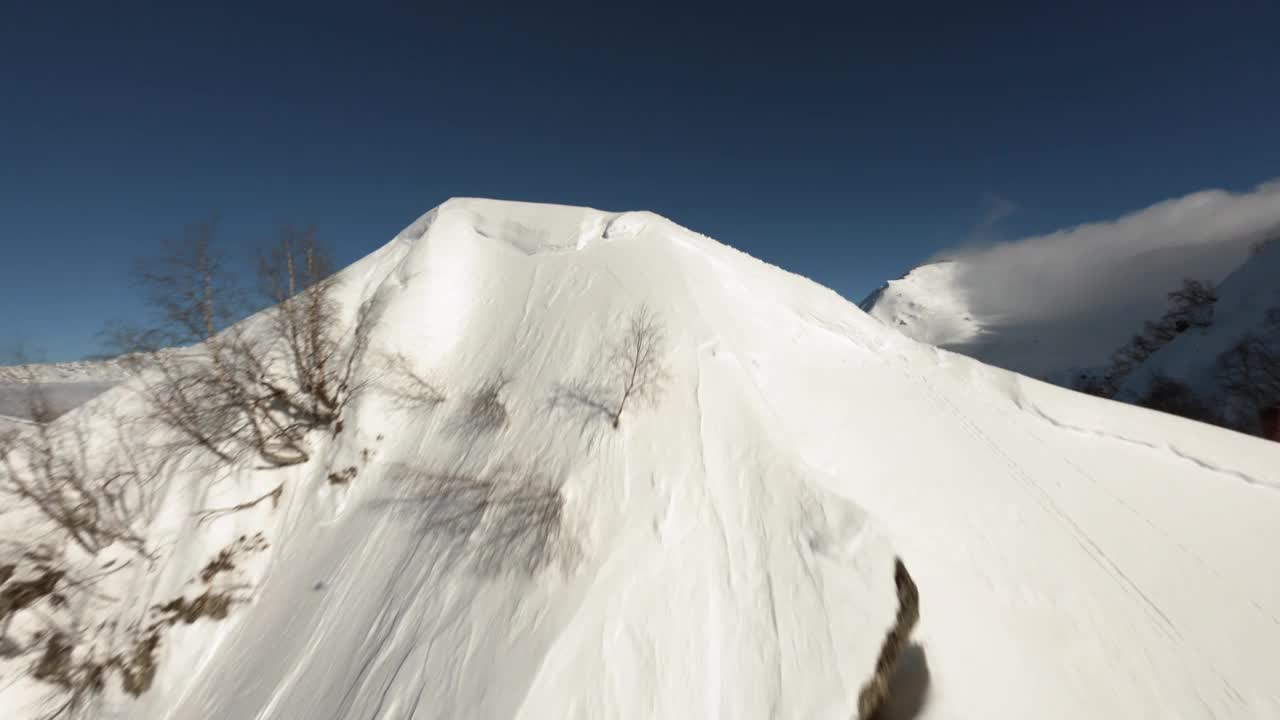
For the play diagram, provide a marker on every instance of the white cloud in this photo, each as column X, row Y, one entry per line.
column 1116, row 270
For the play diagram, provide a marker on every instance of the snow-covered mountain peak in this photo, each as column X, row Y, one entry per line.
column 725, row 549
column 530, row 228
column 1053, row 305
column 926, row 306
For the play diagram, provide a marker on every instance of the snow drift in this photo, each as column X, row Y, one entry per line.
column 728, row 551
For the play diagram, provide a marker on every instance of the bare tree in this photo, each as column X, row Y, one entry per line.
column 1159, row 333
column 298, row 278
column 256, row 388
column 1091, row 383
column 91, row 496
column 48, row 468
column 637, row 360
column 1177, row 398
column 1249, row 371
column 1191, row 306
column 76, row 659
column 192, row 288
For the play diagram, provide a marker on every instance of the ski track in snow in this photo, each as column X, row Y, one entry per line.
column 1047, row 502
column 20, row 422
column 1172, row 450
column 714, row 625
column 1162, row 532
column 1086, row 541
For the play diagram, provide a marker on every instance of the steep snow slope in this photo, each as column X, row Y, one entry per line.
column 702, row 570
column 706, row 572
column 728, row 552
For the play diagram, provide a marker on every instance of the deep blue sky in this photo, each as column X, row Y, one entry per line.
column 846, row 141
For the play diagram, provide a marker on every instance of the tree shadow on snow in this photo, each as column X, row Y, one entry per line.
column 587, row 404
column 484, row 411
column 491, row 524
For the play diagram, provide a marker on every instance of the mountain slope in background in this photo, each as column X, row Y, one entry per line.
column 926, row 306
column 63, row 385
column 1053, row 305
column 1244, row 301
column 933, row 304
column 727, row 552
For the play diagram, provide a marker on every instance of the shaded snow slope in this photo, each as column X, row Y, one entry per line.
column 728, row 552
column 1244, row 299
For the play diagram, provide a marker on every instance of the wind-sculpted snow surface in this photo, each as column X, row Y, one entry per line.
column 729, row 549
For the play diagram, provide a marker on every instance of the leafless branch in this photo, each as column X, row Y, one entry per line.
column 1191, row 305
column 48, row 468
column 1249, row 372
column 252, row 389
column 273, row 496
column 637, row 362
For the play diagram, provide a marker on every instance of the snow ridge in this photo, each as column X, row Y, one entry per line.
column 729, row 551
